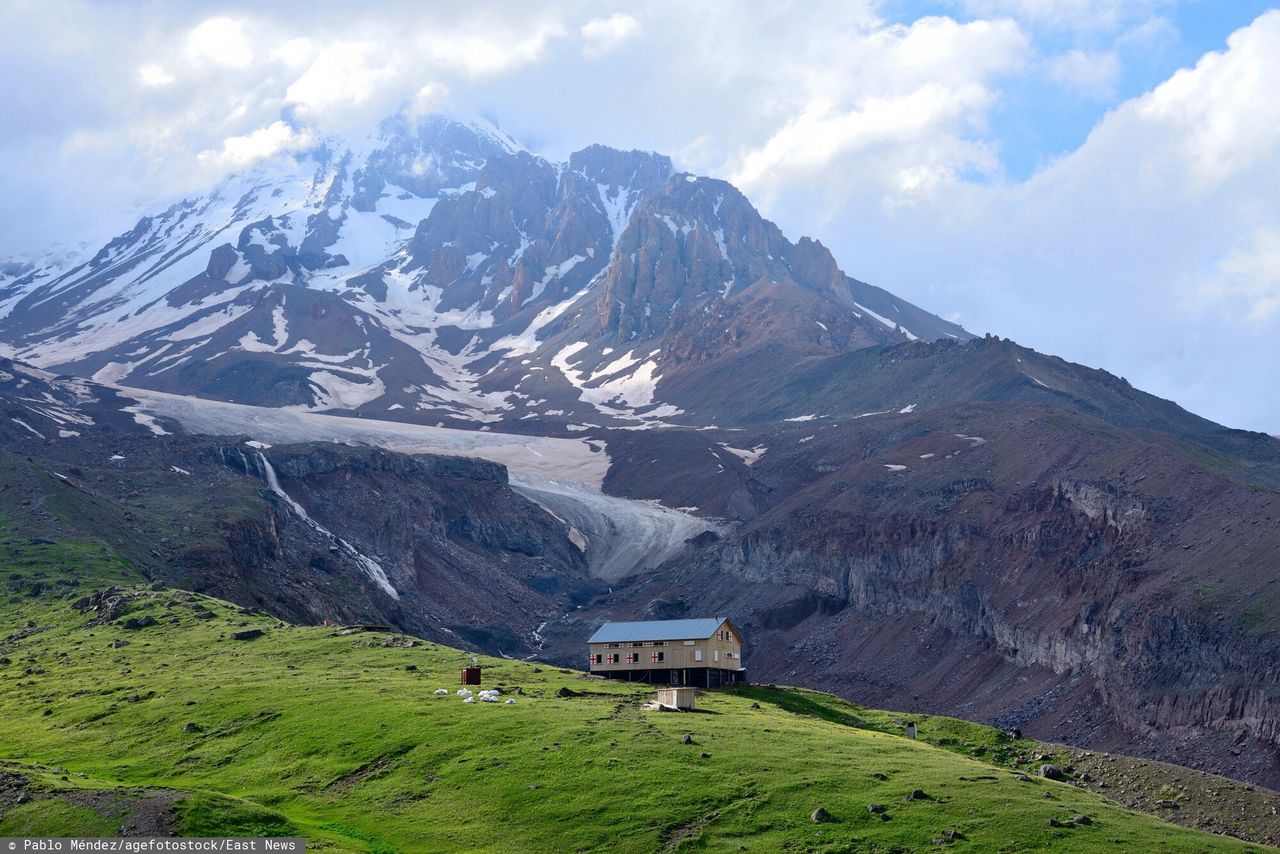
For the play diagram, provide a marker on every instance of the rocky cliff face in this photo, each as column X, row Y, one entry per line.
column 697, row 254
column 446, row 542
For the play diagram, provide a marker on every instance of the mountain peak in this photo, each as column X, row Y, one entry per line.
column 435, row 269
column 616, row 168
column 433, row 128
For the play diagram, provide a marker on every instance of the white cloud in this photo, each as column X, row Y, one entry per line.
column 820, row 134
column 895, row 117
column 1092, row 75
column 1222, row 117
column 240, row 151
column 222, row 41
column 428, row 99
column 294, row 52
column 153, row 76
column 602, row 35
column 1080, row 15
column 1248, row 277
column 345, row 74
column 483, row 52
column 1151, row 250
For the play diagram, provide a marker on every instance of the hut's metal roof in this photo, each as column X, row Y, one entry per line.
column 658, row 630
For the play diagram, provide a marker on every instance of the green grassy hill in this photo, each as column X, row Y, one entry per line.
column 339, row 736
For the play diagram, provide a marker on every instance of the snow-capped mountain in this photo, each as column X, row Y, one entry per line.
column 436, row 271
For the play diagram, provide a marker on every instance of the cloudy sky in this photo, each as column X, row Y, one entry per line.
column 1098, row 179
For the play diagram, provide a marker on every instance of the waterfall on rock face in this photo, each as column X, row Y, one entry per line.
column 269, row 475
column 371, row 567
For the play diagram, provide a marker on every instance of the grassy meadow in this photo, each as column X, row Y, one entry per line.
column 340, row 737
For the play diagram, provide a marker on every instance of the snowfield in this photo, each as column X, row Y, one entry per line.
column 571, row 460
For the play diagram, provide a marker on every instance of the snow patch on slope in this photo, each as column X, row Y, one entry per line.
column 334, row 391
column 631, row 387
column 896, row 327
column 747, row 456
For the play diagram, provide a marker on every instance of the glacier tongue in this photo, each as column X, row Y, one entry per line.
column 623, row 536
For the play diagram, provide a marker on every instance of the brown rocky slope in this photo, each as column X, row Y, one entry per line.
column 1014, row 563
